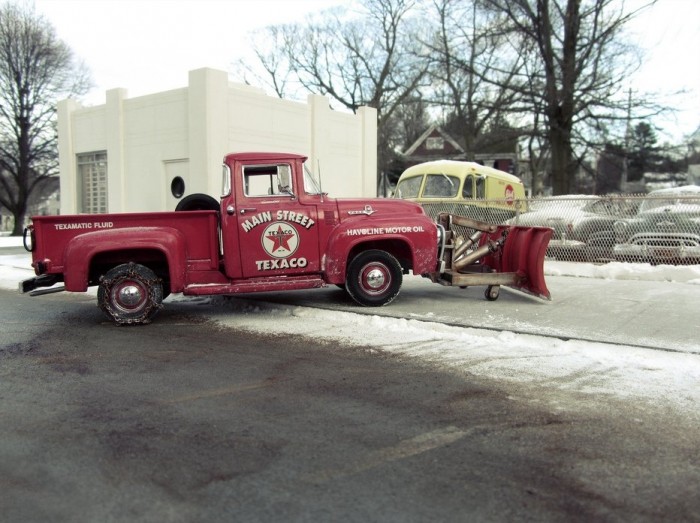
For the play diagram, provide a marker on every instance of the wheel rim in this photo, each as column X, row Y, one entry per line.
column 129, row 296
column 375, row 278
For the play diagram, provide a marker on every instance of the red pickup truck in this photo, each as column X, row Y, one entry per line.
column 273, row 230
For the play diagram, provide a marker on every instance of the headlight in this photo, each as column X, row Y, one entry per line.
column 620, row 231
column 620, row 227
column 440, row 234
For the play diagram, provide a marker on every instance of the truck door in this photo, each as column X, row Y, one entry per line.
column 277, row 233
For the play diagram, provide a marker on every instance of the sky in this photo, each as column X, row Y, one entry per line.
column 663, row 378
column 147, row 46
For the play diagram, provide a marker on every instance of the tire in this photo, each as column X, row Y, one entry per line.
column 492, row 292
column 373, row 278
column 197, row 202
column 130, row 294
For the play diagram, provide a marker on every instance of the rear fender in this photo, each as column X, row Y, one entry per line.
column 83, row 248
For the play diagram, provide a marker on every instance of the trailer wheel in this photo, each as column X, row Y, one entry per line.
column 373, row 278
column 197, row 202
column 130, row 294
column 492, row 292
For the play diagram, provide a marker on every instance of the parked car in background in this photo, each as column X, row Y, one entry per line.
column 465, row 188
column 665, row 230
column 582, row 224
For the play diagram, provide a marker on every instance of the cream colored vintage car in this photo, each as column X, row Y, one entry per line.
column 464, row 188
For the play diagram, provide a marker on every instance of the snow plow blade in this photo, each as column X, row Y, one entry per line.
column 479, row 253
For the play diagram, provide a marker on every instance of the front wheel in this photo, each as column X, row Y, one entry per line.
column 130, row 293
column 373, row 278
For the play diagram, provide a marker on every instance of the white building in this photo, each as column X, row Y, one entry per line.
column 136, row 154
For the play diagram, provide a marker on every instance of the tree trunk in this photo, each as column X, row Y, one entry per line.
column 18, row 228
column 563, row 168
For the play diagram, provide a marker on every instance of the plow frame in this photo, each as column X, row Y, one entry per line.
column 493, row 255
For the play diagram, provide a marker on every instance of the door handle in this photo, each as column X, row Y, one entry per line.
column 247, row 209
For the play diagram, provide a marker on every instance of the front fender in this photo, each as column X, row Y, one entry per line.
column 419, row 237
column 82, row 249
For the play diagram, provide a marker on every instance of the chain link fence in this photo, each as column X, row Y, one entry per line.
column 661, row 228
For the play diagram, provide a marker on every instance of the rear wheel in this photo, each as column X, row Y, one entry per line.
column 373, row 278
column 130, row 294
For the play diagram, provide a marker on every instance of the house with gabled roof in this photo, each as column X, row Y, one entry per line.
column 436, row 144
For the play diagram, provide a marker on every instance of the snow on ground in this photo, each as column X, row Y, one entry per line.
column 626, row 372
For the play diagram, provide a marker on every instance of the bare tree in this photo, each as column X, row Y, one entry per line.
column 578, row 71
column 475, row 73
column 36, row 70
column 364, row 57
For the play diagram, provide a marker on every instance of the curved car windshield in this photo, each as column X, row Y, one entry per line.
column 409, row 187
column 653, row 203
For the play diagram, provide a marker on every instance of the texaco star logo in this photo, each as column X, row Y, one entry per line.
column 280, row 239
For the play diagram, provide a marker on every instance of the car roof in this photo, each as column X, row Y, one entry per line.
column 457, row 168
column 676, row 191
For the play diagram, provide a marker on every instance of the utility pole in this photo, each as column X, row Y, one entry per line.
column 625, row 159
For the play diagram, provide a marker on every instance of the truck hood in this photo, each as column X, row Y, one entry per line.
column 376, row 207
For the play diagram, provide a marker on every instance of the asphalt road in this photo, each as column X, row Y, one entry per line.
column 183, row 420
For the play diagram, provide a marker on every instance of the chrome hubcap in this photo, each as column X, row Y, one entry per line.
column 375, row 279
column 130, row 295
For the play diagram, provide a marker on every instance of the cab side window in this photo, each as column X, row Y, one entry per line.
column 267, row 180
column 468, row 189
column 480, row 187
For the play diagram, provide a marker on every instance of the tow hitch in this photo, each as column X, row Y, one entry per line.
column 480, row 253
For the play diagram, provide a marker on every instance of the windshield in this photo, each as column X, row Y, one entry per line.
column 683, row 202
column 311, row 183
column 440, row 186
column 408, row 187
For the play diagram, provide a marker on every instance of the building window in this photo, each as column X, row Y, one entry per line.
column 434, row 143
column 92, row 176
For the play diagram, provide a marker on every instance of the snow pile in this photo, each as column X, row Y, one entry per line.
column 625, row 271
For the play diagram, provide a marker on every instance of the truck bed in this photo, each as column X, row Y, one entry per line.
column 53, row 234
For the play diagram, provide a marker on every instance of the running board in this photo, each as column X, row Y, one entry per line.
column 250, row 286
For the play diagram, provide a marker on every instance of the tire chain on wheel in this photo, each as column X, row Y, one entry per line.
column 144, row 316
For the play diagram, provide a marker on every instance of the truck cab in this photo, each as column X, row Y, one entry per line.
column 272, row 222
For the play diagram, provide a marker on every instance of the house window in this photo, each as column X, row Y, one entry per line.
column 92, row 176
column 434, row 143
